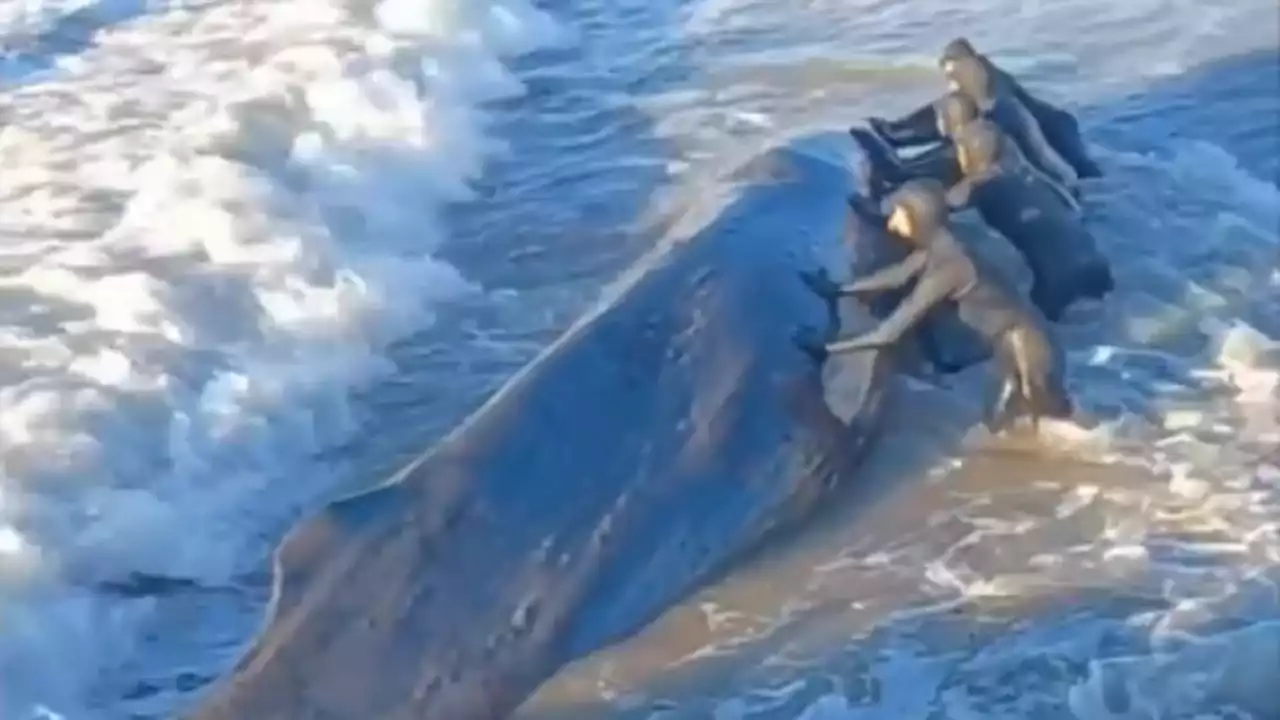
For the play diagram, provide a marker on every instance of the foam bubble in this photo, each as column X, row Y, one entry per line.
column 216, row 219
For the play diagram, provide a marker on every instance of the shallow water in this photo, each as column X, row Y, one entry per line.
column 242, row 268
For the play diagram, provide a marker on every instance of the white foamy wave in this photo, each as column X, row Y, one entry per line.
column 215, row 219
column 1002, row 596
column 1233, row 673
column 1207, row 541
column 1229, row 676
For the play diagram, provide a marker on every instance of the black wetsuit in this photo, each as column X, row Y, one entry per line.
column 1034, row 216
column 953, row 111
column 943, row 270
column 1058, row 128
column 1003, row 108
column 890, row 170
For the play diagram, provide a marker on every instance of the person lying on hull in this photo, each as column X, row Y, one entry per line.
column 1049, row 136
column 1020, row 204
column 953, row 111
column 1029, row 361
column 985, row 170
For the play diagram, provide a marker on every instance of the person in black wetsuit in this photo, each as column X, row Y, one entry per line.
column 888, row 170
column 1058, row 128
column 1030, row 362
column 952, row 111
column 1033, row 214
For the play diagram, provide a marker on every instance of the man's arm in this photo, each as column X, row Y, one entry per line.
column 1065, row 194
column 931, row 290
column 919, row 127
column 889, row 277
column 1066, row 133
column 960, row 195
column 1036, row 142
column 938, row 162
column 965, row 193
column 1035, row 104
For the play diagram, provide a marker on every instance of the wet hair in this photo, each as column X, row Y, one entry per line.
column 958, row 48
column 925, row 203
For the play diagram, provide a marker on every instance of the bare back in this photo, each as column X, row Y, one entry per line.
column 987, row 301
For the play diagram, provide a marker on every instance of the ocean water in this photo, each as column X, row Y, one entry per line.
column 257, row 253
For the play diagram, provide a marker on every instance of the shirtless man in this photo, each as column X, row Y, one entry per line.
column 954, row 111
column 1030, row 363
column 1048, row 135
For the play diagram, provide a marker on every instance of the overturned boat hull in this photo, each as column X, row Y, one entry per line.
column 663, row 435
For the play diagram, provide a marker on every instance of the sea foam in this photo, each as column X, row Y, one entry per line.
column 216, row 217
